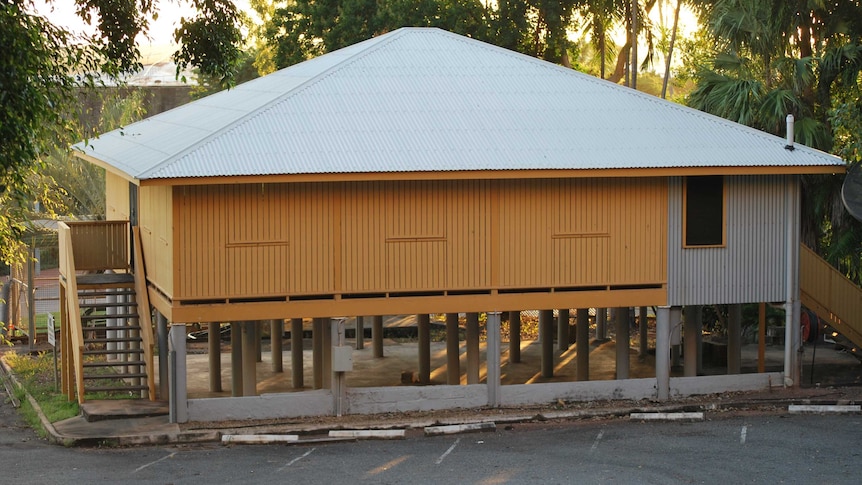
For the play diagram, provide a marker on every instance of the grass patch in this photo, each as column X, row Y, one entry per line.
column 36, row 375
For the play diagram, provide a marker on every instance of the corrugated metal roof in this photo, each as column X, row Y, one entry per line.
column 421, row 100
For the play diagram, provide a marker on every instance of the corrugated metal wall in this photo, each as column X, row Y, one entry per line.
column 271, row 240
column 752, row 267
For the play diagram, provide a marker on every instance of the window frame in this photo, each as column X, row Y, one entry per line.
column 685, row 200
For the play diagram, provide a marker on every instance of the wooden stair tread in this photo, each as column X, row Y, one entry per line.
column 105, row 280
column 106, row 304
column 115, row 389
column 103, row 352
column 114, row 376
column 113, row 363
column 103, row 317
column 111, row 340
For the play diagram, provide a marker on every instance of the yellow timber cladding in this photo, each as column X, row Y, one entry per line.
column 288, row 241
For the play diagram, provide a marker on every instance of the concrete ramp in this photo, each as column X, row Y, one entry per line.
column 832, row 296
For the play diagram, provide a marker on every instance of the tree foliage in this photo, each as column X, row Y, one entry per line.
column 302, row 29
column 42, row 67
column 773, row 58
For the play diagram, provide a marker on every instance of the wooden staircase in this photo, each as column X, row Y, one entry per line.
column 832, row 296
column 106, row 330
column 113, row 354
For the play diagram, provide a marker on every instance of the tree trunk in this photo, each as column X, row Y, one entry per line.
column 602, row 49
column 634, row 59
column 620, row 69
column 670, row 50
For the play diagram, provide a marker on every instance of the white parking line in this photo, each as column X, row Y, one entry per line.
column 692, row 416
column 814, row 408
column 596, row 442
column 291, row 462
column 153, row 462
column 444, row 455
column 742, row 434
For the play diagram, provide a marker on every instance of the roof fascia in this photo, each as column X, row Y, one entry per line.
column 107, row 166
column 501, row 175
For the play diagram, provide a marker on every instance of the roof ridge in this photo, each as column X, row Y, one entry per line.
column 375, row 43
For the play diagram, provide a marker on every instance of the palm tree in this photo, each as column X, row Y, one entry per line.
column 601, row 16
column 773, row 58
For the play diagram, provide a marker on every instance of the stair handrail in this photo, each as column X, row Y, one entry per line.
column 72, row 315
column 843, row 313
column 144, row 319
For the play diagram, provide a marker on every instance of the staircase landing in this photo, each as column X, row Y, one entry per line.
column 108, row 409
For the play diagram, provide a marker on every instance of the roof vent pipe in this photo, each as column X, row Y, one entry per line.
column 789, row 145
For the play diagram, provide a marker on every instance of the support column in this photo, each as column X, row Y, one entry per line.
column 339, row 388
column 123, row 357
column 492, row 358
column 675, row 335
column 249, row 359
column 453, row 358
column 761, row 338
column 276, row 344
column 643, row 333
column 662, row 353
column 621, row 323
column 792, row 306
column 423, row 325
column 296, row 344
column 258, row 338
column 546, row 335
column 563, row 329
column 583, row 344
column 235, row 359
column 317, row 352
column 514, row 337
column 214, row 347
column 472, row 348
column 691, row 327
column 794, row 345
column 360, row 333
column 327, row 353
column 699, row 336
column 734, row 339
column 178, row 393
column 377, row 336
column 110, row 323
column 601, row 323
column 162, row 341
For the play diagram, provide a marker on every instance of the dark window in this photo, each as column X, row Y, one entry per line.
column 704, row 211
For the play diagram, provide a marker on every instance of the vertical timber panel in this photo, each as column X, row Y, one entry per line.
column 116, row 197
column 156, row 223
column 580, row 233
column 257, row 245
column 310, row 220
column 363, row 240
column 468, row 237
column 416, row 236
column 202, row 235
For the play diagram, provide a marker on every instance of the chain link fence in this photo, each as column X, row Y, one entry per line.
column 31, row 291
